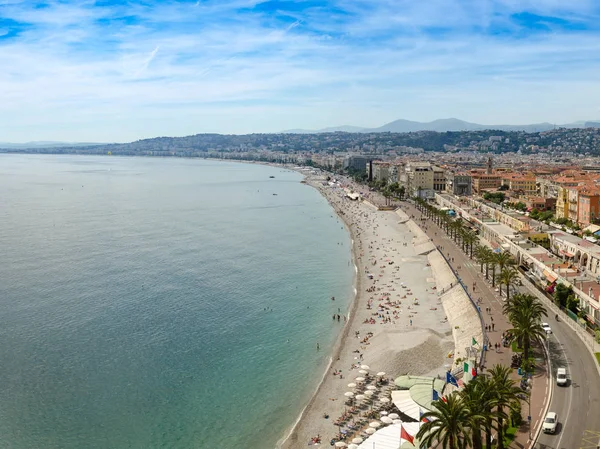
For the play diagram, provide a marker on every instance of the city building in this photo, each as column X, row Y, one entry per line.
column 518, row 182
column 417, row 179
column 439, row 179
column 588, row 207
column 357, row 163
column 459, row 183
column 484, row 181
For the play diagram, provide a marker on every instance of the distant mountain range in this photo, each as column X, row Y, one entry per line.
column 443, row 125
column 47, row 144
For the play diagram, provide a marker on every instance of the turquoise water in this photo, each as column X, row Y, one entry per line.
column 161, row 303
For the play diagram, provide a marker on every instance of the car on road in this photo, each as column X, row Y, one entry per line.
column 550, row 423
column 547, row 328
column 561, row 376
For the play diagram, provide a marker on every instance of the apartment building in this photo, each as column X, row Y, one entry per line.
column 379, row 171
column 417, row 179
column 519, row 182
column 588, row 206
column 485, row 181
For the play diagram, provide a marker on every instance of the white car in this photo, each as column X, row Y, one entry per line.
column 550, row 423
column 561, row 376
column 547, row 328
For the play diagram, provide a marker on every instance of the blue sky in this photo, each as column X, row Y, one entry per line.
column 121, row 70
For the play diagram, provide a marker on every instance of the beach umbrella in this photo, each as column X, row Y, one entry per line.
column 340, row 444
column 365, row 367
column 363, row 371
column 375, row 424
column 352, row 385
column 357, row 440
column 369, row 392
column 360, row 397
column 353, row 446
column 386, row 420
column 394, row 415
column 349, row 394
column 384, row 400
column 381, row 373
column 383, row 413
column 397, row 421
column 360, row 379
column 370, row 431
column 371, row 387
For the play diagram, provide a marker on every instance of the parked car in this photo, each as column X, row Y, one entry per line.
column 561, row 376
column 547, row 328
column 550, row 423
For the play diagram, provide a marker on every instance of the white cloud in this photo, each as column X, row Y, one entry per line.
column 214, row 68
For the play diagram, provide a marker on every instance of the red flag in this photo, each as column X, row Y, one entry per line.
column 473, row 372
column 405, row 436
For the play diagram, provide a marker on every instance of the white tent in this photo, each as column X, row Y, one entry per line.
column 389, row 437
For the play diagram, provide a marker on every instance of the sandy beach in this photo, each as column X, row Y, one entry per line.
column 397, row 323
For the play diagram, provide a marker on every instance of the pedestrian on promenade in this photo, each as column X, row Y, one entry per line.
column 493, row 327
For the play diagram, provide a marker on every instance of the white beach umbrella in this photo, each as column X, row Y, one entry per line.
column 371, row 387
column 381, row 373
column 363, row 371
column 394, row 415
column 386, row 420
column 384, row 400
column 360, row 397
column 360, row 379
column 370, row 431
column 383, row 413
column 357, row 440
column 340, row 444
column 369, row 392
column 365, row 367
column 397, row 421
column 353, row 446
column 375, row 424
column 349, row 394
column 352, row 385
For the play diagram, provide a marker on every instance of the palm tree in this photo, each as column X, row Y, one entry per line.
column 504, row 259
column 448, row 424
column 525, row 313
column 469, row 238
column 479, row 399
column 507, row 395
column 487, row 258
column 481, row 253
column 508, row 276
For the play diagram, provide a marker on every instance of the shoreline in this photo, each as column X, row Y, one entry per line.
column 329, row 390
column 339, row 344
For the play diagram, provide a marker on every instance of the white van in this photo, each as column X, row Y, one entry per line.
column 561, row 376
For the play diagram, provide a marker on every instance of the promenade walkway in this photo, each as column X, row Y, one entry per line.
column 469, row 272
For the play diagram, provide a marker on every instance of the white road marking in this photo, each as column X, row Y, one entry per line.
column 570, row 394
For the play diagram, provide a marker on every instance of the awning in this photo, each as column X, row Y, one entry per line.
column 403, row 401
column 568, row 254
column 389, row 437
column 550, row 275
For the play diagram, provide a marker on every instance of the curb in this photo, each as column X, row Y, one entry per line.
column 549, row 398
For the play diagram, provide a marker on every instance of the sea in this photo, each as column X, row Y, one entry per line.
column 162, row 302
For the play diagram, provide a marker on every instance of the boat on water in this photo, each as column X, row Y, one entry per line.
column 271, row 176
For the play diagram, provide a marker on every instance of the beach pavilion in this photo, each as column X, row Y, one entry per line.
column 415, row 394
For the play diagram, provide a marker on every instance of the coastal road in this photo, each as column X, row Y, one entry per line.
column 578, row 403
